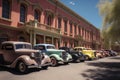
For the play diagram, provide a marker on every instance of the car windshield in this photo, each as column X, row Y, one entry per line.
column 50, row 47
column 23, row 46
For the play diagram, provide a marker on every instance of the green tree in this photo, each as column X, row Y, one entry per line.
column 110, row 12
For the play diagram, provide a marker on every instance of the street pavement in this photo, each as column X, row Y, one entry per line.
column 102, row 69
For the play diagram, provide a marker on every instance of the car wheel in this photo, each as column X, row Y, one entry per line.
column 44, row 67
column 53, row 61
column 22, row 67
column 78, row 60
column 82, row 60
column 87, row 57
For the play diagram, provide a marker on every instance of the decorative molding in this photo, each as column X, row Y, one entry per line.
column 27, row 2
column 37, row 6
column 49, row 12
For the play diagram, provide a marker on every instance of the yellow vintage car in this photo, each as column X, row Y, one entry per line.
column 89, row 53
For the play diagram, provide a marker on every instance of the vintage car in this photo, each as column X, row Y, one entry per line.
column 89, row 54
column 21, row 56
column 57, row 56
column 99, row 54
column 76, row 55
column 112, row 53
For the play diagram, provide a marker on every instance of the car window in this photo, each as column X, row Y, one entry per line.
column 41, row 47
column 8, row 47
column 23, row 46
column 50, row 47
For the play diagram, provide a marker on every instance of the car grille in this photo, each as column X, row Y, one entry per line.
column 64, row 56
column 38, row 57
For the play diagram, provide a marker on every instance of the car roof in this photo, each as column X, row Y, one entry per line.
column 15, row 42
column 44, row 44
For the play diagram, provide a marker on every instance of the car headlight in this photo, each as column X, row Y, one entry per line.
column 43, row 53
column 32, row 55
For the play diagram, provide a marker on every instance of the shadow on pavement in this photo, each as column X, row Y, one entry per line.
column 103, row 71
column 14, row 71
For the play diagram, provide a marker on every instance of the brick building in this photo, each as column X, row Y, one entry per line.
column 48, row 21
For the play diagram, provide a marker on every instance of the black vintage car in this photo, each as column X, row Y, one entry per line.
column 76, row 56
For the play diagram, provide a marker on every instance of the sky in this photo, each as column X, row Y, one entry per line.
column 86, row 9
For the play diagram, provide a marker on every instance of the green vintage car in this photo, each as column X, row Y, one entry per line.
column 57, row 56
column 89, row 53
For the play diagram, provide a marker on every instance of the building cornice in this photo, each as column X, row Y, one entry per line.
column 65, row 8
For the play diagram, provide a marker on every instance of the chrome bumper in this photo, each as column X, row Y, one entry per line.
column 39, row 66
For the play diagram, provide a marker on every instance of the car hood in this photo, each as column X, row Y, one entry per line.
column 90, row 51
column 55, row 50
column 26, row 50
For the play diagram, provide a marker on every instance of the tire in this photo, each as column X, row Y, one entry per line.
column 82, row 60
column 1, row 59
column 22, row 67
column 45, row 67
column 54, row 61
column 78, row 60
column 87, row 57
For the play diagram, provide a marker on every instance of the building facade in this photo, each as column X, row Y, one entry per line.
column 48, row 21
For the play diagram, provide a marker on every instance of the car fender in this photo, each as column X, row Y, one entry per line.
column 45, row 60
column 69, row 56
column 57, row 57
column 26, row 59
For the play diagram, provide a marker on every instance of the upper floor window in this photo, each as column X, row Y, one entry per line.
column 75, row 30
column 37, row 15
column 65, row 26
column 49, row 20
column 22, row 13
column 70, row 27
column 59, row 22
column 6, row 8
column 79, row 30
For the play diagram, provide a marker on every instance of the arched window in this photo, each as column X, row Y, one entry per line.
column 37, row 15
column 59, row 23
column 65, row 25
column 6, row 8
column 22, row 13
column 71, row 29
column 49, row 20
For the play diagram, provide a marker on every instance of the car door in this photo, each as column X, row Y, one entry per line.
column 8, row 53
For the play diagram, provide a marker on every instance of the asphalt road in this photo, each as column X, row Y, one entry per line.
column 102, row 69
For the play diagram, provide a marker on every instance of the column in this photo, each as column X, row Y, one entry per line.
column 30, row 36
column 34, row 38
column 44, row 38
column 52, row 40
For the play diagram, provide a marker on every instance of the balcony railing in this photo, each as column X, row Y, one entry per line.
column 36, row 24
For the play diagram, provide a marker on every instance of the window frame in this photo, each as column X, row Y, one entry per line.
column 6, row 13
column 23, row 15
column 38, row 15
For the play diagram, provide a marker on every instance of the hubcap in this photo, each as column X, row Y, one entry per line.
column 53, row 61
column 22, row 67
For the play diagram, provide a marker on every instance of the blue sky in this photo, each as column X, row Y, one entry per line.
column 86, row 9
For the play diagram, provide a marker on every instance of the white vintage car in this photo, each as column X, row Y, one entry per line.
column 20, row 55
